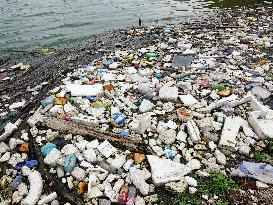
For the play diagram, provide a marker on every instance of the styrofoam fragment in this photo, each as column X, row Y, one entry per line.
column 9, row 129
column 193, row 131
column 36, row 186
column 188, row 99
column 84, row 90
column 48, row 198
column 128, row 102
column 106, row 149
column 262, row 127
column 230, row 131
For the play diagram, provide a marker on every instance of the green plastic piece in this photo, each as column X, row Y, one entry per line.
column 151, row 55
column 219, row 86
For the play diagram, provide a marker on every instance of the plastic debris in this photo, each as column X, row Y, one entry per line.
column 260, row 171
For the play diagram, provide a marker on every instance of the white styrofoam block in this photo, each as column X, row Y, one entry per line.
column 193, row 131
column 84, row 90
column 230, row 131
column 188, row 99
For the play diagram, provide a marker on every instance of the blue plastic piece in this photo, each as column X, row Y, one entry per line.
column 106, row 62
column 250, row 86
column 167, row 30
column 70, row 163
column 29, row 163
column 170, row 154
column 158, row 75
column 125, row 133
column 91, row 98
column 15, row 183
column 46, row 149
column 47, row 101
column 102, row 70
column 61, row 143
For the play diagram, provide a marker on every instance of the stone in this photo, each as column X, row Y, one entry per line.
column 78, row 173
column 167, row 136
column 139, row 201
column 168, row 93
column 106, row 149
column 191, row 181
column 181, row 136
column 146, row 106
column 188, row 100
column 244, row 148
column 104, row 202
column 138, row 178
column 212, row 145
column 177, row 187
column 166, row 170
column 194, row 164
column 220, row 157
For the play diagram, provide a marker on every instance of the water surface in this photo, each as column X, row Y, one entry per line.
column 28, row 24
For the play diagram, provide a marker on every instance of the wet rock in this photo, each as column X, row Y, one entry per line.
column 177, row 187
column 179, row 61
column 167, row 136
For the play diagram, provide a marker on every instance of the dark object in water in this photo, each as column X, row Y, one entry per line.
column 179, row 61
column 139, row 21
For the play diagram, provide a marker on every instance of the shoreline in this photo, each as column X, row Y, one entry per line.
column 245, row 46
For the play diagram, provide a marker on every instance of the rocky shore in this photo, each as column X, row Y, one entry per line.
column 169, row 115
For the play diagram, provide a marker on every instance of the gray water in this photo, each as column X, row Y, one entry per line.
column 26, row 24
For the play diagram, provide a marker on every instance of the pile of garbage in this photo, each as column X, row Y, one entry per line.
column 115, row 130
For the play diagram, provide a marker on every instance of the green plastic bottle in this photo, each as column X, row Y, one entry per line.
column 151, row 55
column 219, row 86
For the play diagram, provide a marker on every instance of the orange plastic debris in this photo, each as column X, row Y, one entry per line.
column 82, row 187
column 24, row 148
column 138, row 158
